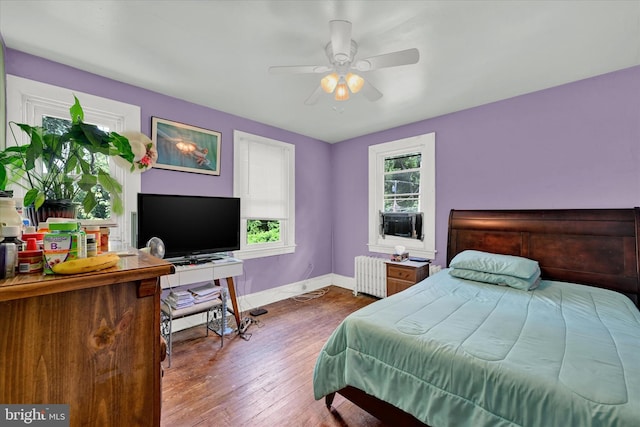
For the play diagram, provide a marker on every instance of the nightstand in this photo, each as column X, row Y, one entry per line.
column 403, row 275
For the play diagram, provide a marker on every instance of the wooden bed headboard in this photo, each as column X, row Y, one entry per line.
column 595, row 247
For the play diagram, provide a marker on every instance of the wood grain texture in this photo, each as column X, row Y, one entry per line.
column 92, row 342
column 595, row 247
column 142, row 266
column 266, row 381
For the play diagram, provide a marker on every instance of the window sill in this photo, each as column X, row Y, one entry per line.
column 264, row 252
column 429, row 254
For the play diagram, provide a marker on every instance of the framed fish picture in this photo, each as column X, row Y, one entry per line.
column 186, row 148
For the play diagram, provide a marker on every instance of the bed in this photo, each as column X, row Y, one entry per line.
column 455, row 352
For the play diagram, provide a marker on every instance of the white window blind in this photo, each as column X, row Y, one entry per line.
column 264, row 192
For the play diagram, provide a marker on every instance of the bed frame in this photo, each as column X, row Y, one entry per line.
column 594, row 247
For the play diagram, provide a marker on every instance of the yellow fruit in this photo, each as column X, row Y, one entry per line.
column 86, row 265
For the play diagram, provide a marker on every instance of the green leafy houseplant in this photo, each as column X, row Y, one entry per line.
column 60, row 166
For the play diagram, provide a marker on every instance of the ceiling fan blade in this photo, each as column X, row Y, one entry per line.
column 313, row 98
column 299, row 69
column 393, row 59
column 370, row 92
column 341, row 40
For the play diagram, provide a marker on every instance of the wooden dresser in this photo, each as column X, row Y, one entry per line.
column 402, row 275
column 91, row 341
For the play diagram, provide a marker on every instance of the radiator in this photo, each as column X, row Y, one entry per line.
column 371, row 276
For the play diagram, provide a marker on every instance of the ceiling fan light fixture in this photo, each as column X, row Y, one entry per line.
column 329, row 82
column 342, row 92
column 340, row 76
column 355, row 82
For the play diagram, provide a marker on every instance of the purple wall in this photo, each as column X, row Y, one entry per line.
column 572, row 146
column 313, row 255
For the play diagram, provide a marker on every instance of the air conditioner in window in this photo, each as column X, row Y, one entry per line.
column 401, row 224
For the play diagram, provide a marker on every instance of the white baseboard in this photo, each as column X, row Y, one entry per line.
column 248, row 302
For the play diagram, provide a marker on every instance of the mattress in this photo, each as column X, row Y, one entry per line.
column 453, row 352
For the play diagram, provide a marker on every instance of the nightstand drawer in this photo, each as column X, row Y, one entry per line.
column 394, row 286
column 401, row 272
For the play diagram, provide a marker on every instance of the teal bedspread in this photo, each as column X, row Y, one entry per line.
column 454, row 352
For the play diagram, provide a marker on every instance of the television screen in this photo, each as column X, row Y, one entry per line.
column 189, row 226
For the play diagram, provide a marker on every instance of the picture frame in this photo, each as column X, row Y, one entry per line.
column 186, row 148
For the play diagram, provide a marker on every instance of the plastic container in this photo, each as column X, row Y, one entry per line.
column 104, row 239
column 38, row 237
column 31, row 259
column 95, row 231
column 10, row 234
column 92, row 248
column 8, row 213
column 9, row 251
column 21, row 211
column 63, row 243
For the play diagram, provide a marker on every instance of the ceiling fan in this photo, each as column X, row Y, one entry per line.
column 341, row 76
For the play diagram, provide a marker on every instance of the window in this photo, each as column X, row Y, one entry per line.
column 402, row 179
column 264, row 179
column 40, row 104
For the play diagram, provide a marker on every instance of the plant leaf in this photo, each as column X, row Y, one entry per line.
column 109, row 183
column 116, row 205
column 33, row 197
column 77, row 114
column 87, row 182
column 3, row 178
column 89, row 202
column 123, row 146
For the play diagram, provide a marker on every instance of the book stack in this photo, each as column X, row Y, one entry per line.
column 205, row 292
column 180, row 299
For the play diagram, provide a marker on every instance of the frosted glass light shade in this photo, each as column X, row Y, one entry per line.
column 355, row 82
column 329, row 82
column 342, row 92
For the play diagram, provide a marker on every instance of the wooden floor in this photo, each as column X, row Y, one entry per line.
column 266, row 381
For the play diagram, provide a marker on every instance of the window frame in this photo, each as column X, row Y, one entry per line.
column 28, row 100
column 425, row 145
column 240, row 181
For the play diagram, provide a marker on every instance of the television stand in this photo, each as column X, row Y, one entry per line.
column 192, row 260
column 213, row 270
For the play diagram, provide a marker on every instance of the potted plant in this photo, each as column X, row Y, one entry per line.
column 57, row 167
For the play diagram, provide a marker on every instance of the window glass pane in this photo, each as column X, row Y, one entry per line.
column 402, row 183
column 402, row 162
column 262, row 231
column 97, row 160
column 406, row 203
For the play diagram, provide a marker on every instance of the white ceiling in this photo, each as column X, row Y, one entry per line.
column 216, row 53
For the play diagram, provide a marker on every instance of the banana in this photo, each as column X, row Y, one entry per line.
column 86, row 265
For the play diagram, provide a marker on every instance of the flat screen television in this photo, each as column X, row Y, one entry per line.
column 191, row 227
